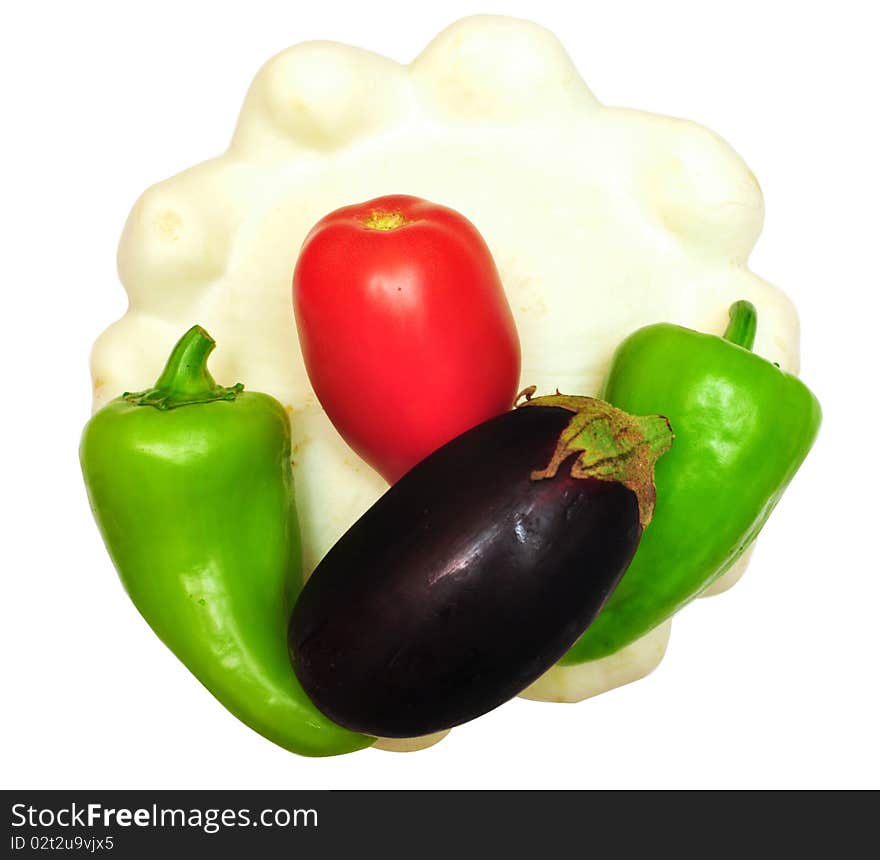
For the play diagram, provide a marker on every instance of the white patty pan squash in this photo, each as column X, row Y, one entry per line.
column 601, row 220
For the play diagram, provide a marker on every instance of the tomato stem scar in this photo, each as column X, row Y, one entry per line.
column 379, row 220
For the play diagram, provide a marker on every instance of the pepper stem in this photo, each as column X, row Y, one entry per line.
column 743, row 324
column 186, row 378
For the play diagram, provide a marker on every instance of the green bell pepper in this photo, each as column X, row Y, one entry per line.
column 191, row 486
column 742, row 429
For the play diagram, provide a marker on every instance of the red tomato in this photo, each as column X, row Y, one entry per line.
column 404, row 327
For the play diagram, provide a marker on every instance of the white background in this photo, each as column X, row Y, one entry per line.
column 773, row 684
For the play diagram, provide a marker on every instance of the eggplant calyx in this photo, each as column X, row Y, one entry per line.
column 527, row 393
column 611, row 445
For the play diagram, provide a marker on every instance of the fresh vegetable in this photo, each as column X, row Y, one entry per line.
column 584, row 680
column 743, row 428
column 477, row 571
column 191, row 487
column 404, row 328
column 600, row 220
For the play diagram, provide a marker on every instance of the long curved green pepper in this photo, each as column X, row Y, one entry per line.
column 742, row 429
column 191, row 486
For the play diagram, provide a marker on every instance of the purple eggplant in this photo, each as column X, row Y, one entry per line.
column 479, row 569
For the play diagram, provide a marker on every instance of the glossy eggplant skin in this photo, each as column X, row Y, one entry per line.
column 465, row 582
